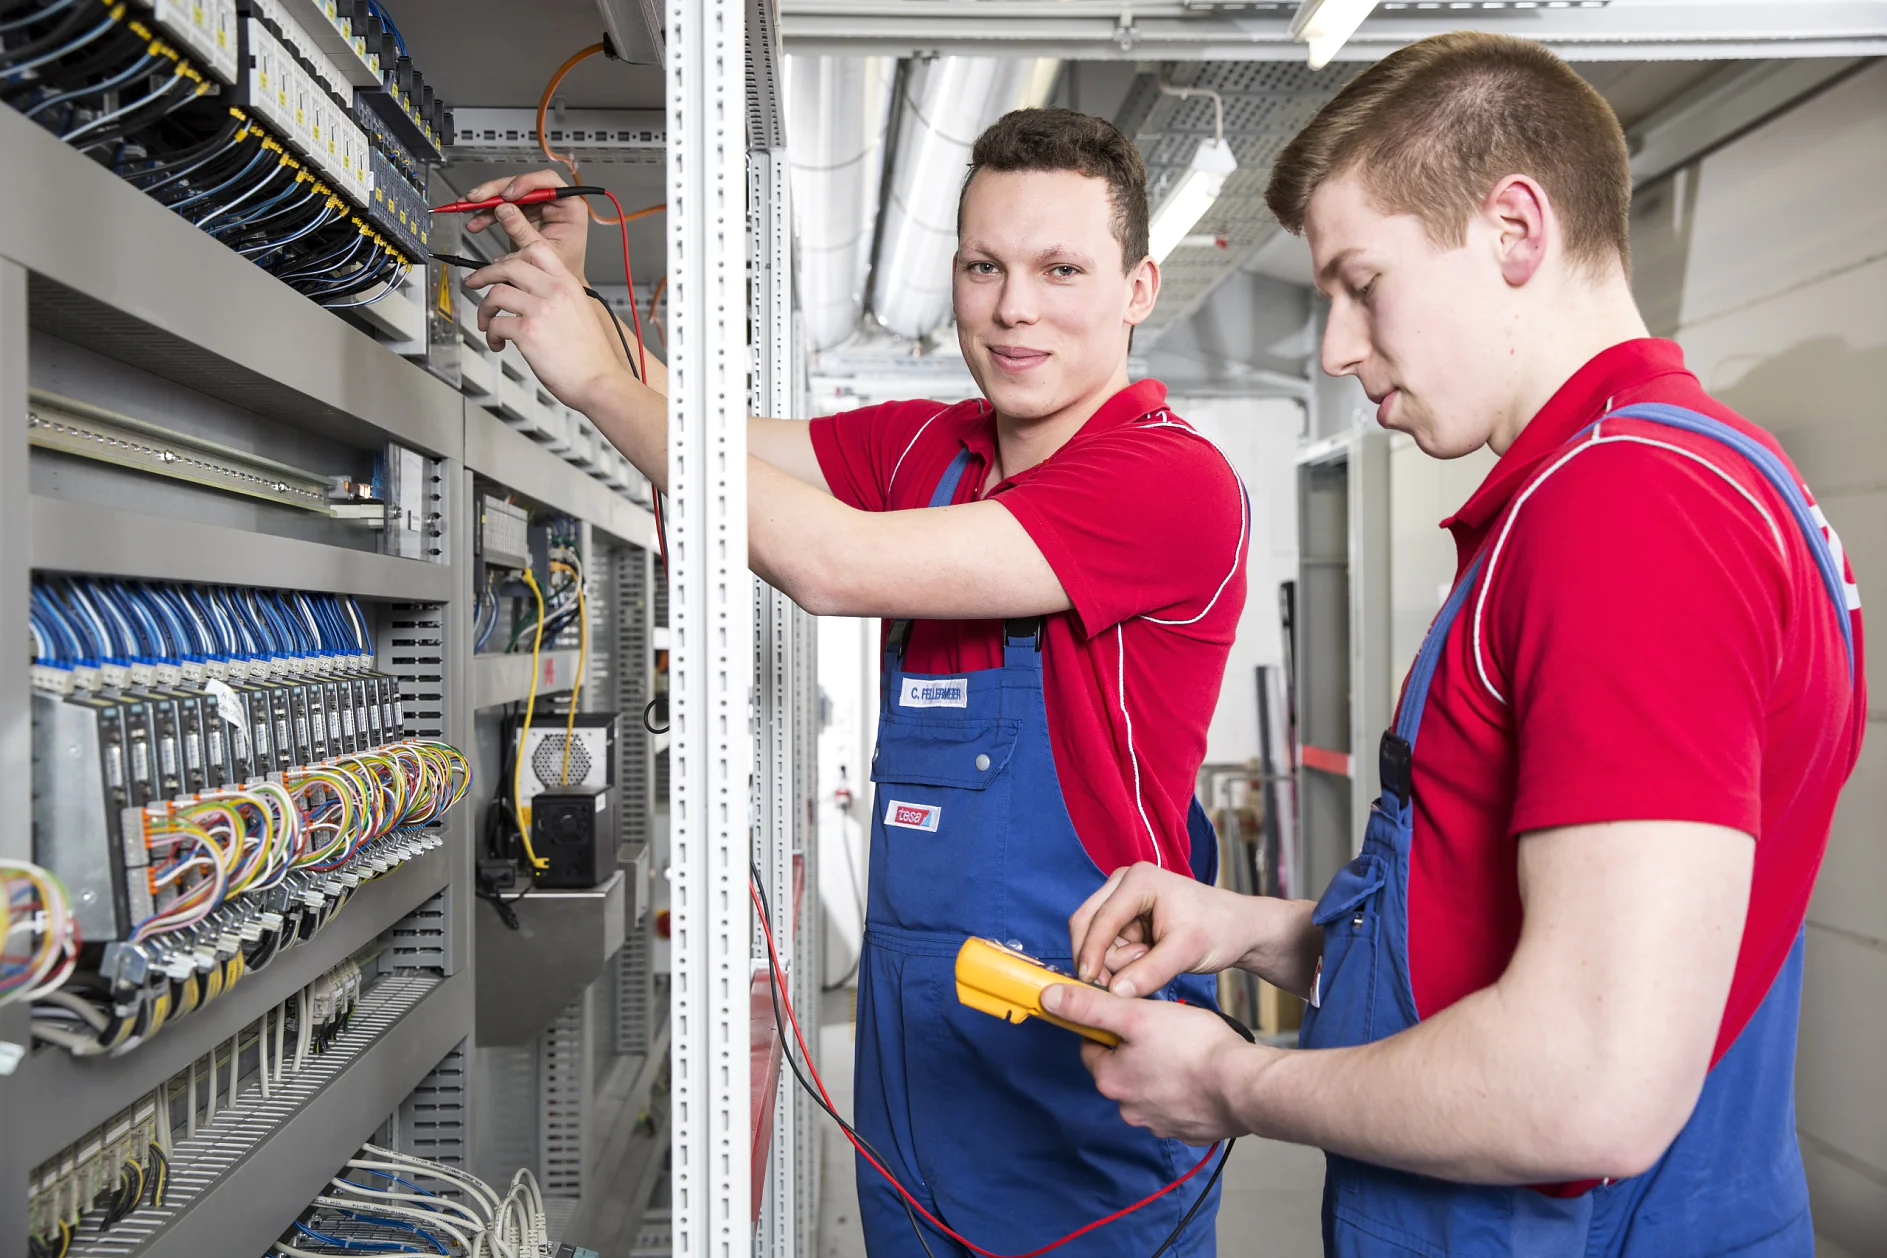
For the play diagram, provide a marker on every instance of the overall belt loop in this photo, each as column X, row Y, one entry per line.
column 1020, row 634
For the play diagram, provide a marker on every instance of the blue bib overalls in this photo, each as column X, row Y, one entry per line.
column 996, row 1128
column 1732, row 1181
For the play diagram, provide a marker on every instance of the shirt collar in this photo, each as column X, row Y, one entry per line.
column 1585, row 397
column 1141, row 398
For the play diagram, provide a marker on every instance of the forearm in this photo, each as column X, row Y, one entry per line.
column 622, row 342
column 634, row 418
column 1285, row 946
column 1487, row 1091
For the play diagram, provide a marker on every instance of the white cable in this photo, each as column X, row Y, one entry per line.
column 347, row 1185
column 396, row 1161
column 430, row 1218
column 85, row 1009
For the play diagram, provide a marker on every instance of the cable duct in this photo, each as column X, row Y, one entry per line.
column 945, row 104
column 837, row 111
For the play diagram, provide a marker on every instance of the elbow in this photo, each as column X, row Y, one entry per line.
column 1622, row 1130
column 818, row 588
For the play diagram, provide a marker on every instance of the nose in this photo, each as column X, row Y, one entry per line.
column 1016, row 304
column 1346, row 341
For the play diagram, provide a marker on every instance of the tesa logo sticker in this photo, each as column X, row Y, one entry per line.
column 949, row 692
column 913, row 816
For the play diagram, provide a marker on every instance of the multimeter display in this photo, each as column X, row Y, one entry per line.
column 1007, row 983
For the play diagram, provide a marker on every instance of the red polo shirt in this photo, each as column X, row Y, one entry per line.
column 1145, row 523
column 1654, row 643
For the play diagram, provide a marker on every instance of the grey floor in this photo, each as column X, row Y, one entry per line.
column 1269, row 1205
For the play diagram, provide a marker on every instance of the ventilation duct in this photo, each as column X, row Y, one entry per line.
column 837, row 110
column 945, row 104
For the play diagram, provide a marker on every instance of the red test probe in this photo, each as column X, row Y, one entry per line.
column 537, row 196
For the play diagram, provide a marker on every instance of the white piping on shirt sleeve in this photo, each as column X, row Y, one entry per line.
column 1596, row 440
column 1244, row 524
column 893, row 479
column 1120, row 674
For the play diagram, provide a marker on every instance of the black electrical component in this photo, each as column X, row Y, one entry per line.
column 574, row 829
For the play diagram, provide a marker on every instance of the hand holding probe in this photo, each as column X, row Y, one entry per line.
column 536, row 196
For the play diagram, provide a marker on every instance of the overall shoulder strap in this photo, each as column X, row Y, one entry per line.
column 1398, row 745
column 1782, row 479
column 942, row 496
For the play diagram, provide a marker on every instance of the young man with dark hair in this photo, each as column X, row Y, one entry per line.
column 1553, row 1000
column 1059, row 625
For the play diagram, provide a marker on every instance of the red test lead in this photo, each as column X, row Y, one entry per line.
column 535, row 197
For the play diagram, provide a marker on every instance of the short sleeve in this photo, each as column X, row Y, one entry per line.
column 1635, row 624
column 860, row 451
column 1146, row 520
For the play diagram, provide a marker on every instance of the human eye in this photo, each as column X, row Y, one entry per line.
column 1064, row 271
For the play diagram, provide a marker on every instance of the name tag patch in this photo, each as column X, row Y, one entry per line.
column 913, row 816
column 949, row 692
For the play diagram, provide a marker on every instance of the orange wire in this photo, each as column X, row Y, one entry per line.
column 570, row 163
column 653, row 302
column 543, row 137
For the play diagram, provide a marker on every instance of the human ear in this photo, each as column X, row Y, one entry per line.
column 1518, row 212
column 1144, row 286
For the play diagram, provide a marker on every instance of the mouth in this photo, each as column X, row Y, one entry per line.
column 1383, row 402
column 1016, row 359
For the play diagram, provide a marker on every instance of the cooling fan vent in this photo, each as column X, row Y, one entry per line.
column 547, row 760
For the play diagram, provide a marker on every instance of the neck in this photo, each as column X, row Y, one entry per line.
column 1587, row 319
column 1023, row 443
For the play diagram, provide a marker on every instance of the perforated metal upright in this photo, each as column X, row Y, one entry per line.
column 711, row 626
column 783, row 744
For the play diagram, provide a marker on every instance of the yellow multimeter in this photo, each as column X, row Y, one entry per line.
column 1008, row 984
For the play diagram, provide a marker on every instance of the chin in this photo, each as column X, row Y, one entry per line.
column 1019, row 401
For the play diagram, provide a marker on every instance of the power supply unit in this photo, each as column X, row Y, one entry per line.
column 574, row 829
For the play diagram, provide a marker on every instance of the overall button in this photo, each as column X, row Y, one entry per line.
column 982, row 762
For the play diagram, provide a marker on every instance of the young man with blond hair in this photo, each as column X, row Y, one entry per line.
column 1553, row 1000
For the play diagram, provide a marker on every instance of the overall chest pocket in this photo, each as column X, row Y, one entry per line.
column 1349, row 913
column 937, row 751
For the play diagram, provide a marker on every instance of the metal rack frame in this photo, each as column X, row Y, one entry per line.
column 93, row 262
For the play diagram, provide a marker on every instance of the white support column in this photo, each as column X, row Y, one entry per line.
column 779, row 678
column 711, row 620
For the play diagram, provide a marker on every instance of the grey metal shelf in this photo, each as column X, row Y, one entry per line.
column 499, row 679
column 54, row 1098
column 499, row 452
column 78, row 537
column 248, row 1177
column 563, row 941
column 115, row 271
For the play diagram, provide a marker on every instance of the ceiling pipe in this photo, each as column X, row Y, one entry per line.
column 837, row 111
column 945, row 104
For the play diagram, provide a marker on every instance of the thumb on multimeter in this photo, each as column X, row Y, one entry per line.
column 1089, row 1006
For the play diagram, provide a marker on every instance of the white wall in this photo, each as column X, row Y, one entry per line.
column 1259, row 436
column 848, row 693
column 1768, row 260
column 1422, row 493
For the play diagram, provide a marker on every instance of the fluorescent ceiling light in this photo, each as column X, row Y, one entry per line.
column 1191, row 197
column 1326, row 25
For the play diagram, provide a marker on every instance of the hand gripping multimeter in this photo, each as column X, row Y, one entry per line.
column 1008, row 984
